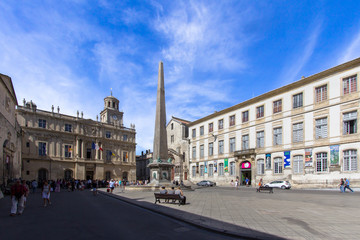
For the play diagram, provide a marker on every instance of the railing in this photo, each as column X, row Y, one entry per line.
column 249, row 151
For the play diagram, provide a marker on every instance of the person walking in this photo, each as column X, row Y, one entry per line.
column 34, row 185
column 342, row 185
column 112, row 185
column 17, row 198
column 237, row 184
column 347, row 185
column 26, row 189
column 45, row 193
column 94, row 187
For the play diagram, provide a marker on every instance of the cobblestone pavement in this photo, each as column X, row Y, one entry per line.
column 289, row 214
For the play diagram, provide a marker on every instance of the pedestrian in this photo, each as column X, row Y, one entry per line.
column 347, row 185
column 247, row 181
column 57, row 188
column 17, row 198
column 342, row 185
column 112, row 185
column 45, row 193
column 26, row 188
column 94, row 187
column 260, row 182
column 237, row 184
column 34, row 185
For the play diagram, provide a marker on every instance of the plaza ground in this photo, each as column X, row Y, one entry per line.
column 289, row 214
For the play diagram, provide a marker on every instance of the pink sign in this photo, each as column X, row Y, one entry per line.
column 246, row 165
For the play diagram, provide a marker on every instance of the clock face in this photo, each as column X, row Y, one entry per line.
column 114, row 117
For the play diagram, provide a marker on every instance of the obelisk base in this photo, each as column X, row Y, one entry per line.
column 160, row 174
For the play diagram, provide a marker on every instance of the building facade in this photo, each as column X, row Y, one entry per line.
column 142, row 170
column 10, row 132
column 178, row 147
column 306, row 132
column 58, row 146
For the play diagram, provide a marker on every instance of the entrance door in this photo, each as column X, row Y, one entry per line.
column 185, row 175
column 42, row 175
column 245, row 174
column 89, row 175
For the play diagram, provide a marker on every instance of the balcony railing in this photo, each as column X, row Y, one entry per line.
column 250, row 151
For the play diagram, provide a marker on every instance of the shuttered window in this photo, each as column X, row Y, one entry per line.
column 350, row 122
column 245, row 116
column 211, row 149
column 193, row 171
column 350, row 160
column 232, row 168
column 201, row 151
column 202, row 170
column 321, row 162
column 277, row 136
column 321, row 128
column 221, row 146
column 321, row 93
column 278, row 165
column 350, row 84
column 298, row 164
column 260, row 139
column 221, row 169
column 298, row 132
column 194, row 152
column 298, row 100
column 232, row 144
column 277, row 106
column 245, row 142
column 211, row 170
column 260, row 166
column 260, row 112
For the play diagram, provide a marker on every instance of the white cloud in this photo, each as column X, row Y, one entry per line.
column 352, row 50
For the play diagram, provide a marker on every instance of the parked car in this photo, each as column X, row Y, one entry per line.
column 279, row 184
column 206, row 183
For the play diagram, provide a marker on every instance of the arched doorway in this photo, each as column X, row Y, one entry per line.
column 125, row 176
column 42, row 175
column 245, row 172
column 68, row 174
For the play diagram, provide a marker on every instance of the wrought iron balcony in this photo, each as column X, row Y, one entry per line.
column 246, row 152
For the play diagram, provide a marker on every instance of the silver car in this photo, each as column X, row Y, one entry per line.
column 279, row 184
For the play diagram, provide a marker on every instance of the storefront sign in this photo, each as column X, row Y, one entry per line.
column 287, row 162
column 308, row 157
column 226, row 165
column 334, row 155
column 268, row 161
column 246, row 165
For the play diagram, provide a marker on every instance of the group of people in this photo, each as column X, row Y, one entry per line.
column 236, row 183
column 20, row 191
column 176, row 191
column 344, row 184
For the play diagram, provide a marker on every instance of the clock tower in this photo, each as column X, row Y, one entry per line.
column 111, row 113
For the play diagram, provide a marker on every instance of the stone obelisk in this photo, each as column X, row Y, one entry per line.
column 160, row 166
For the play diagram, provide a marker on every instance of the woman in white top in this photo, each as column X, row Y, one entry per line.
column 46, row 193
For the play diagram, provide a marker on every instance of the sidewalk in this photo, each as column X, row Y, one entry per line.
column 289, row 214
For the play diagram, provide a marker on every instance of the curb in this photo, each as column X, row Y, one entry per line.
column 207, row 228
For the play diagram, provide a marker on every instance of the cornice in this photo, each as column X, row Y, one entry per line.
column 313, row 78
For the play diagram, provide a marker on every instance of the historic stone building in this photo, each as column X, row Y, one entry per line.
column 178, row 147
column 10, row 132
column 306, row 132
column 142, row 170
column 56, row 146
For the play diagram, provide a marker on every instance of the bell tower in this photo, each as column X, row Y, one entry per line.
column 111, row 113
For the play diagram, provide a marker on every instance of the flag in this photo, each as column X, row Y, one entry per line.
column 97, row 146
column 70, row 149
column 93, row 146
column 101, row 149
column 126, row 156
column 113, row 154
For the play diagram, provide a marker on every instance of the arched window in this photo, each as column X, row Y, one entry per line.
column 221, row 169
column 298, row 164
column 211, row 170
column 350, row 160
column 260, row 166
column 278, row 165
column 232, row 168
column 321, row 162
column 193, row 171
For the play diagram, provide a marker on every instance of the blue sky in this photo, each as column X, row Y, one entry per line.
column 216, row 53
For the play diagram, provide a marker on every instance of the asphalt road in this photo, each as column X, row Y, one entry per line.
column 80, row 215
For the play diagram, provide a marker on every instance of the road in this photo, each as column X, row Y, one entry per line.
column 80, row 215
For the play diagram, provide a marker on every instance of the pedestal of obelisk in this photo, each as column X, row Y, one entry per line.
column 160, row 166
